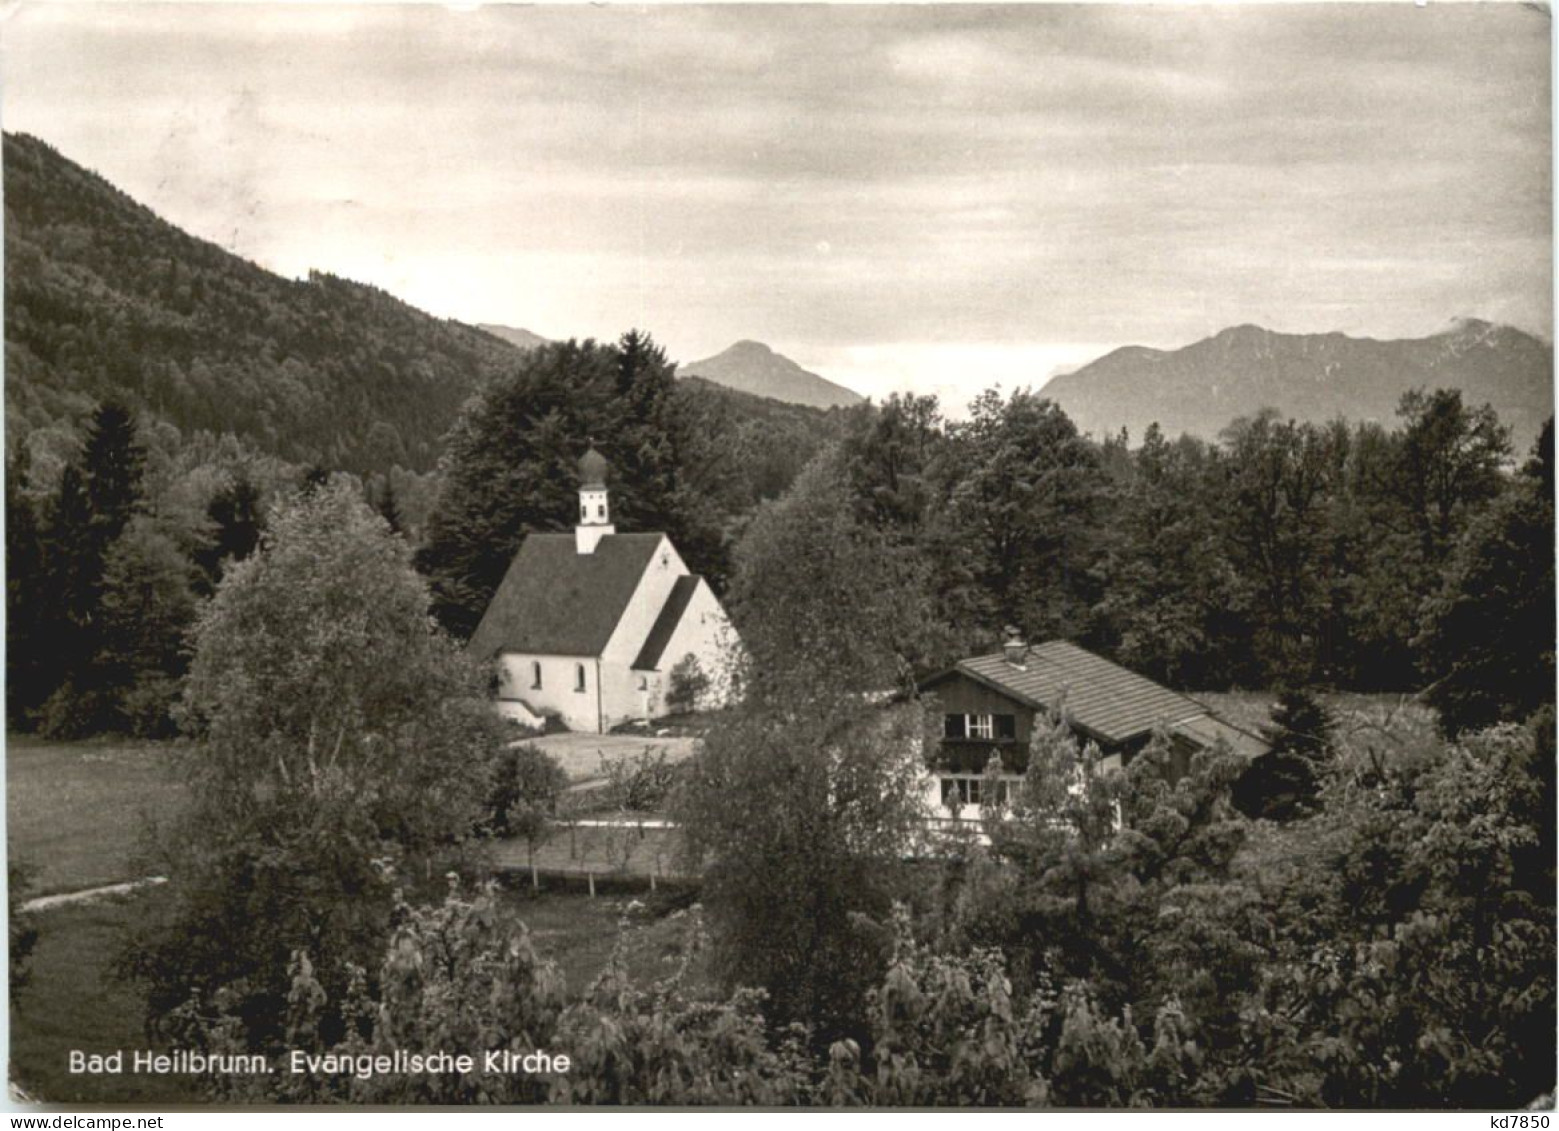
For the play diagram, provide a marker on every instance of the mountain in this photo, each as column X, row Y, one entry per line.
column 520, row 339
column 752, row 367
column 104, row 299
column 1202, row 387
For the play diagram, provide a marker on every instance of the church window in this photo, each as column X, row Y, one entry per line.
column 579, row 677
column 535, row 675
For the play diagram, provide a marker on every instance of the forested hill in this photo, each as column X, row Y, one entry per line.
column 1314, row 377
column 104, row 299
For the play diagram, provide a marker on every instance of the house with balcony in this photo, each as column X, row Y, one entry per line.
column 989, row 705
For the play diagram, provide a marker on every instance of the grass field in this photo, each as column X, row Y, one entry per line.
column 1361, row 723
column 72, row 1001
column 75, row 813
column 75, row 810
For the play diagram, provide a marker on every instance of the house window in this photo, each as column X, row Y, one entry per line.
column 584, row 513
column 965, row 789
column 579, row 677
column 983, row 728
column 535, row 675
column 600, row 510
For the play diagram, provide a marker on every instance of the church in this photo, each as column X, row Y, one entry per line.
column 588, row 627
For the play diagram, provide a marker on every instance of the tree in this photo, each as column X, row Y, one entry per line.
column 1024, row 511
column 31, row 673
column 820, row 598
column 1414, row 938
column 99, row 494
column 22, row 927
column 235, row 514
column 801, row 800
column 1282, row 477
column 1123, row 880
column 1449, row 462
column 339, row 737
column 511, row 466
column 148, row 605
column 1166, row 600
column 1285, row 782
column 527, row 783
column 1488, row 633
column 799, row 806
column 112, row 460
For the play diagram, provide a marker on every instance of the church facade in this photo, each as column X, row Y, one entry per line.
column 589, row 627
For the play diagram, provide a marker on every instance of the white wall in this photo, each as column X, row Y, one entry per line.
column 579, row 710
column 705, row 632
column 621, row 698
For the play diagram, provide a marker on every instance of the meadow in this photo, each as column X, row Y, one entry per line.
column 76, row 814
column 76, row 811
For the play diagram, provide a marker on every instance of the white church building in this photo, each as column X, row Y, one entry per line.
column 587, row 627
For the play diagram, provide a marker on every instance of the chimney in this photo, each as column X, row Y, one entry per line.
column 1014, row 649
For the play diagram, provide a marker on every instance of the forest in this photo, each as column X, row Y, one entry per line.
column 1284, row 555
column 1113, row 940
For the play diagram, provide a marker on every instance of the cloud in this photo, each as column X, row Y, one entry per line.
column 982, row 178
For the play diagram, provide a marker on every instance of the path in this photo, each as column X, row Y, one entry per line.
column 66, row 898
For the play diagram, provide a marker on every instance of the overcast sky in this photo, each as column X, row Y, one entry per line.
column 938, row 197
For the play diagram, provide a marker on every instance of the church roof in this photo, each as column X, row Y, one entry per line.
column 555, row 601
column 665, row 624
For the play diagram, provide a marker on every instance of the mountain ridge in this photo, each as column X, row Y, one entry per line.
column 106, row 299
column 1201, row 387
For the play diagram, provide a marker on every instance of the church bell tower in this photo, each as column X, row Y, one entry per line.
column 595, row 515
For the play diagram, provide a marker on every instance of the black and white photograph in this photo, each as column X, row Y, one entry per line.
column 780, row 556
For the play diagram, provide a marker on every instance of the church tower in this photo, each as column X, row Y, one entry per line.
column 595, row 516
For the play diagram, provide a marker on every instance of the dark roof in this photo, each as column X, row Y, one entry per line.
column 1208, row 729
column 666, row 623
column 1098, row 696
column 557, row 601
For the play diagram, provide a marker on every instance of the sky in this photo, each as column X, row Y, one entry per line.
column 932, row 197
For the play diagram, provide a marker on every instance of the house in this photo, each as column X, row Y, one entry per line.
column 588, row 627
column 989, row 705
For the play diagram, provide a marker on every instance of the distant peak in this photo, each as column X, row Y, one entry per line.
column 1467, row 328
column 747, row 345
column 1245, row 330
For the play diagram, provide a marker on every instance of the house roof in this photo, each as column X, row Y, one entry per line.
column 1098, row 696
column 1205, row 730
column 666, row 623
column 557, row 601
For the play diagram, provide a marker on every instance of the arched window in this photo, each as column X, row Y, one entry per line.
column 600, row 510
column 584, row 512
column 579, row 677
column 535, row 675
